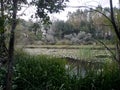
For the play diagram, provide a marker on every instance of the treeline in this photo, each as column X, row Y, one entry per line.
column 83, row 23
column 82, row 27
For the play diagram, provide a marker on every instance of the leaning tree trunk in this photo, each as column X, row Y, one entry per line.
column 9, row 75
column 117, row 32
column 118, row 53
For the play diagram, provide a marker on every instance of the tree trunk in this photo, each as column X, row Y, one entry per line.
column 116, row 28
column 9, row 75
column 117, row 31
column 118, row 53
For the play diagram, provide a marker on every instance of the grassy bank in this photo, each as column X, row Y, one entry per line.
column 80, row 52
column 50, row 73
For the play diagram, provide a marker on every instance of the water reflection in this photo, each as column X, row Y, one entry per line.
column 82, row 67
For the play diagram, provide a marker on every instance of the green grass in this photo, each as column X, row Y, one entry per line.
column 91, row 54
column 39, row 73
column 83, row 52
column 49, row 73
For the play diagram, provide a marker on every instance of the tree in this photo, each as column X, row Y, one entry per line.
column 113, row 18
column 35, row 27
column 116, row 27
column 48, row 6
column 43, row 7
column 61, row 28
column 11, row 48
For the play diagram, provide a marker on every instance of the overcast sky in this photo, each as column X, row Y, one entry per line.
column 63, row 15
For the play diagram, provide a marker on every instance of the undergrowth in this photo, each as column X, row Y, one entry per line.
column 50, row 73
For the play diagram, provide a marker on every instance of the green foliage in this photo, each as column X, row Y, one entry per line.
column 92, row 21
column 48, row 6
column 107, row 78
column 86, row 54
column 43, row 72
column 2, row 76
column 39, row 73
column 62, row 28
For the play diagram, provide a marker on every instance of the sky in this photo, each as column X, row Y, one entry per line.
column 63, row 14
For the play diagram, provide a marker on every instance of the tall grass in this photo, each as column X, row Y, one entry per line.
column 94, row 54
column 86, row 54
column 107, row 78
column 49, row 73
column 39, row 73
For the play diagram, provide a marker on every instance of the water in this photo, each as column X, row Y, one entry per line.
column 83, row 67
column 75, row 65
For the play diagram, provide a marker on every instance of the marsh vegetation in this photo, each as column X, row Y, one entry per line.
column 41, row 72
column 81, row 53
